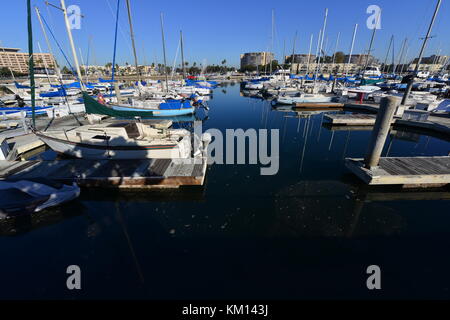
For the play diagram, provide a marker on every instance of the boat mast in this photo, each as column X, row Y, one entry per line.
column 405, row 60
column 45, row 64
column 130, row 20
column 317, row 57
column 400, row 56
column 164, row 52
column 293, row 55
column 351, row 49
column 72, row 45
column 425, row 40
column 335, row 49
column 114, row 53
column 309, row 53
column 271, row 58
column 321, row 51
column 371, row 42
column 58, row 71
column 182, row 55
column 387, row 54
column 31, row 63
column 87, row 59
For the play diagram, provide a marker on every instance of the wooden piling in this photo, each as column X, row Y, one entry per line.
column 380, row 131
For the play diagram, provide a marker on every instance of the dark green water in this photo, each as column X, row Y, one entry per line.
column 308, row 232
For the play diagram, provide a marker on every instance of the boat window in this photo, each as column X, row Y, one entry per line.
column 132, row 130
column 99, row 137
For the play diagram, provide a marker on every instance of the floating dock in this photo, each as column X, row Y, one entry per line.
column 123, row 174
column 316, row 106
column 351, row 119
column 407, row 171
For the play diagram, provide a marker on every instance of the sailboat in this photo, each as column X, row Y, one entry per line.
column 143, row 109
column 123, row 140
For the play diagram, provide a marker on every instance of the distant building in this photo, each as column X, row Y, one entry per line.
column 18, row 61
column 300, row 58
column 432, row 64
column 361, row 59
column 256, row 59
column 434, row 59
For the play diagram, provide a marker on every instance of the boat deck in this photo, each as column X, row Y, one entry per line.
column 124, row 174
column 408, row 171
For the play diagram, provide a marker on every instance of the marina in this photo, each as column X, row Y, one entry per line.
column 272, row 176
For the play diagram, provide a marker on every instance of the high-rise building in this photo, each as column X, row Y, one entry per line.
column 17, row 61
column 434, row 59
column 256, row 59
column 361, row 59
column 301, row 58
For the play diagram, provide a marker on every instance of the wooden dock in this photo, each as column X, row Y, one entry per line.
column 407, row 171
column 23, row 144
column 316, row 106
column 351, row 119
column 123, row 174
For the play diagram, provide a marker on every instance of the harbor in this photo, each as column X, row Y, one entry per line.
column 277, row 176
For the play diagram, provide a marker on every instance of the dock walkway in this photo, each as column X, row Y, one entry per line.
column 407, row 171
column 124, row 174
column 434, row 123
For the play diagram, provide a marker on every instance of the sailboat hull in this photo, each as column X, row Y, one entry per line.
column 158, row 112
column 103, row 151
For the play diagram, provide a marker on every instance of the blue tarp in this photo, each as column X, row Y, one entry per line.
column 174, row 104
column 60, row 93
column 19, row 86
column 73, row 85
column 444, row 106
column 105, row 80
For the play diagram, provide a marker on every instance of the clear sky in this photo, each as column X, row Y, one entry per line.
column 218, row 30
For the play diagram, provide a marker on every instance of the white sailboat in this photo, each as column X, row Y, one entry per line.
column 124, row 140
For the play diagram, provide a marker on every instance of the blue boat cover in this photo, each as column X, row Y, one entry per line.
column 105, row 80
column 19, row 86
column 174, row 104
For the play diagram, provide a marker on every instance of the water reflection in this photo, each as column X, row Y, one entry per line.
column 308, row 231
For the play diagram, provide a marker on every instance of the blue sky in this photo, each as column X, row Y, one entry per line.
column 217, row 30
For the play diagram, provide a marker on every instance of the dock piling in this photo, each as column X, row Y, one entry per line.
column 380, row 131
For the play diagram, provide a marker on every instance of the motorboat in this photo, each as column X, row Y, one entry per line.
column 30, row 196
column 304, row 98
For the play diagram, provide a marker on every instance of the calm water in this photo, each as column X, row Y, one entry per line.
column 308, row 232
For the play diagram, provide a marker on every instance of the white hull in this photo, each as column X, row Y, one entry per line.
column 254, row 86
column 102, row 151
column 304, row 99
